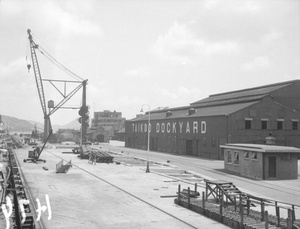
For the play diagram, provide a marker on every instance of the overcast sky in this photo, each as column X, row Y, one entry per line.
column 165, row 53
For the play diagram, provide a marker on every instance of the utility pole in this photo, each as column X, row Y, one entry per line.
column 84, row 123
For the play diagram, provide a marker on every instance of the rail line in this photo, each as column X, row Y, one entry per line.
column 128, row 193
column 237, row 178
column 38, row 224
column 181, row 162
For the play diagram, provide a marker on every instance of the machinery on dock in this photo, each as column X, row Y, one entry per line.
column 34, row 156
column 83, row 110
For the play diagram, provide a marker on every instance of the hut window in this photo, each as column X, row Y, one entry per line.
column 246, row 155
column 236, row 158
column 254, row 156
column 229, row 159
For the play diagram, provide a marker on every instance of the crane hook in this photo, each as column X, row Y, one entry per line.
column 28, row 66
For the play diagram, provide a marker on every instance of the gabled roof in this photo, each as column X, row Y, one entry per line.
column 199, row 112
column 218, row 104
column 245, row 95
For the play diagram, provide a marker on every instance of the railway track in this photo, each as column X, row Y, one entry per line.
column 265, row 184
column 198, row 168
column 124, row 191
column 85, row 169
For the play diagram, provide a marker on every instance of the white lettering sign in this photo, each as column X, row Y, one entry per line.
column 172, row 127
column 203, row 127
column 195, row 127
column 157, row 127
column 168, row 127
column 180, row 127
column 187, row 129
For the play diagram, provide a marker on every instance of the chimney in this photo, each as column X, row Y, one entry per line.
column 168, row 114
column 270, row 140
column 191, row 111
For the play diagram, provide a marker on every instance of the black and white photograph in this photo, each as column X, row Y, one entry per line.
column 150, row 114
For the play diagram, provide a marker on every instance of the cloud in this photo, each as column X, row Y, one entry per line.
column 248, row 6
column 179, row 95
column 258, row 63
column 67, row 21
column 61, row 15
column 129, row 101
column 12, row 68
column 271, row 36
column 232, row 5
column 137, row 72
column 179, row 44
column 10, row 8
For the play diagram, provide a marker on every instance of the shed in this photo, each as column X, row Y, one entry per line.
column 267, row 162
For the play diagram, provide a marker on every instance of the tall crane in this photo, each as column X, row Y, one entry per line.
column 66, row 96
column 39, row 84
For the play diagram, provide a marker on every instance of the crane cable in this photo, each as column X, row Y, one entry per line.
column 55, row 62
column 58, row 64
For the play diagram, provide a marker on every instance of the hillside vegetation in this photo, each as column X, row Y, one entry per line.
column 21, row 125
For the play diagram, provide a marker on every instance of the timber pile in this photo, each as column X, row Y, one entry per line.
column 103, row 157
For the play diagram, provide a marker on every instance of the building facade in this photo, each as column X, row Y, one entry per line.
column 105, row 125
column 244, row 116
column 267, row 162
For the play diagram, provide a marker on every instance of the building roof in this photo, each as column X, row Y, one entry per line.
column 249, row 94
column 218, row 104
column 262, row 148
column 199, row 112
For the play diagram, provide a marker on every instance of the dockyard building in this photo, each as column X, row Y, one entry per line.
column 105, row 125
column 243, row 116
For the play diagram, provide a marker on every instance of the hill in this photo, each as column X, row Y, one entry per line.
column 21, row 125
column 17, row 125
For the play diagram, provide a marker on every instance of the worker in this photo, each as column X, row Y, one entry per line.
column 37, row 152
column 92, row 158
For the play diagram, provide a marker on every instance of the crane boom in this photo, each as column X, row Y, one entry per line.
column 39, row 85
column 37, row 72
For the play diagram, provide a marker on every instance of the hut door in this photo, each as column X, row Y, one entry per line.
column 272, row 167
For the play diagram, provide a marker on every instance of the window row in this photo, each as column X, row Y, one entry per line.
column 234, row 157
column 264, row 124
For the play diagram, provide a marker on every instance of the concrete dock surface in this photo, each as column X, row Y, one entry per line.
column 104, row 195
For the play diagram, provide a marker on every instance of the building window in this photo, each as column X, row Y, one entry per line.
column 279, row 124
column 248, row 124
column 264, row 124
column 236, row 158
column 246, row 155
column 254, row 156
column 294, row 124
column 229, row 158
